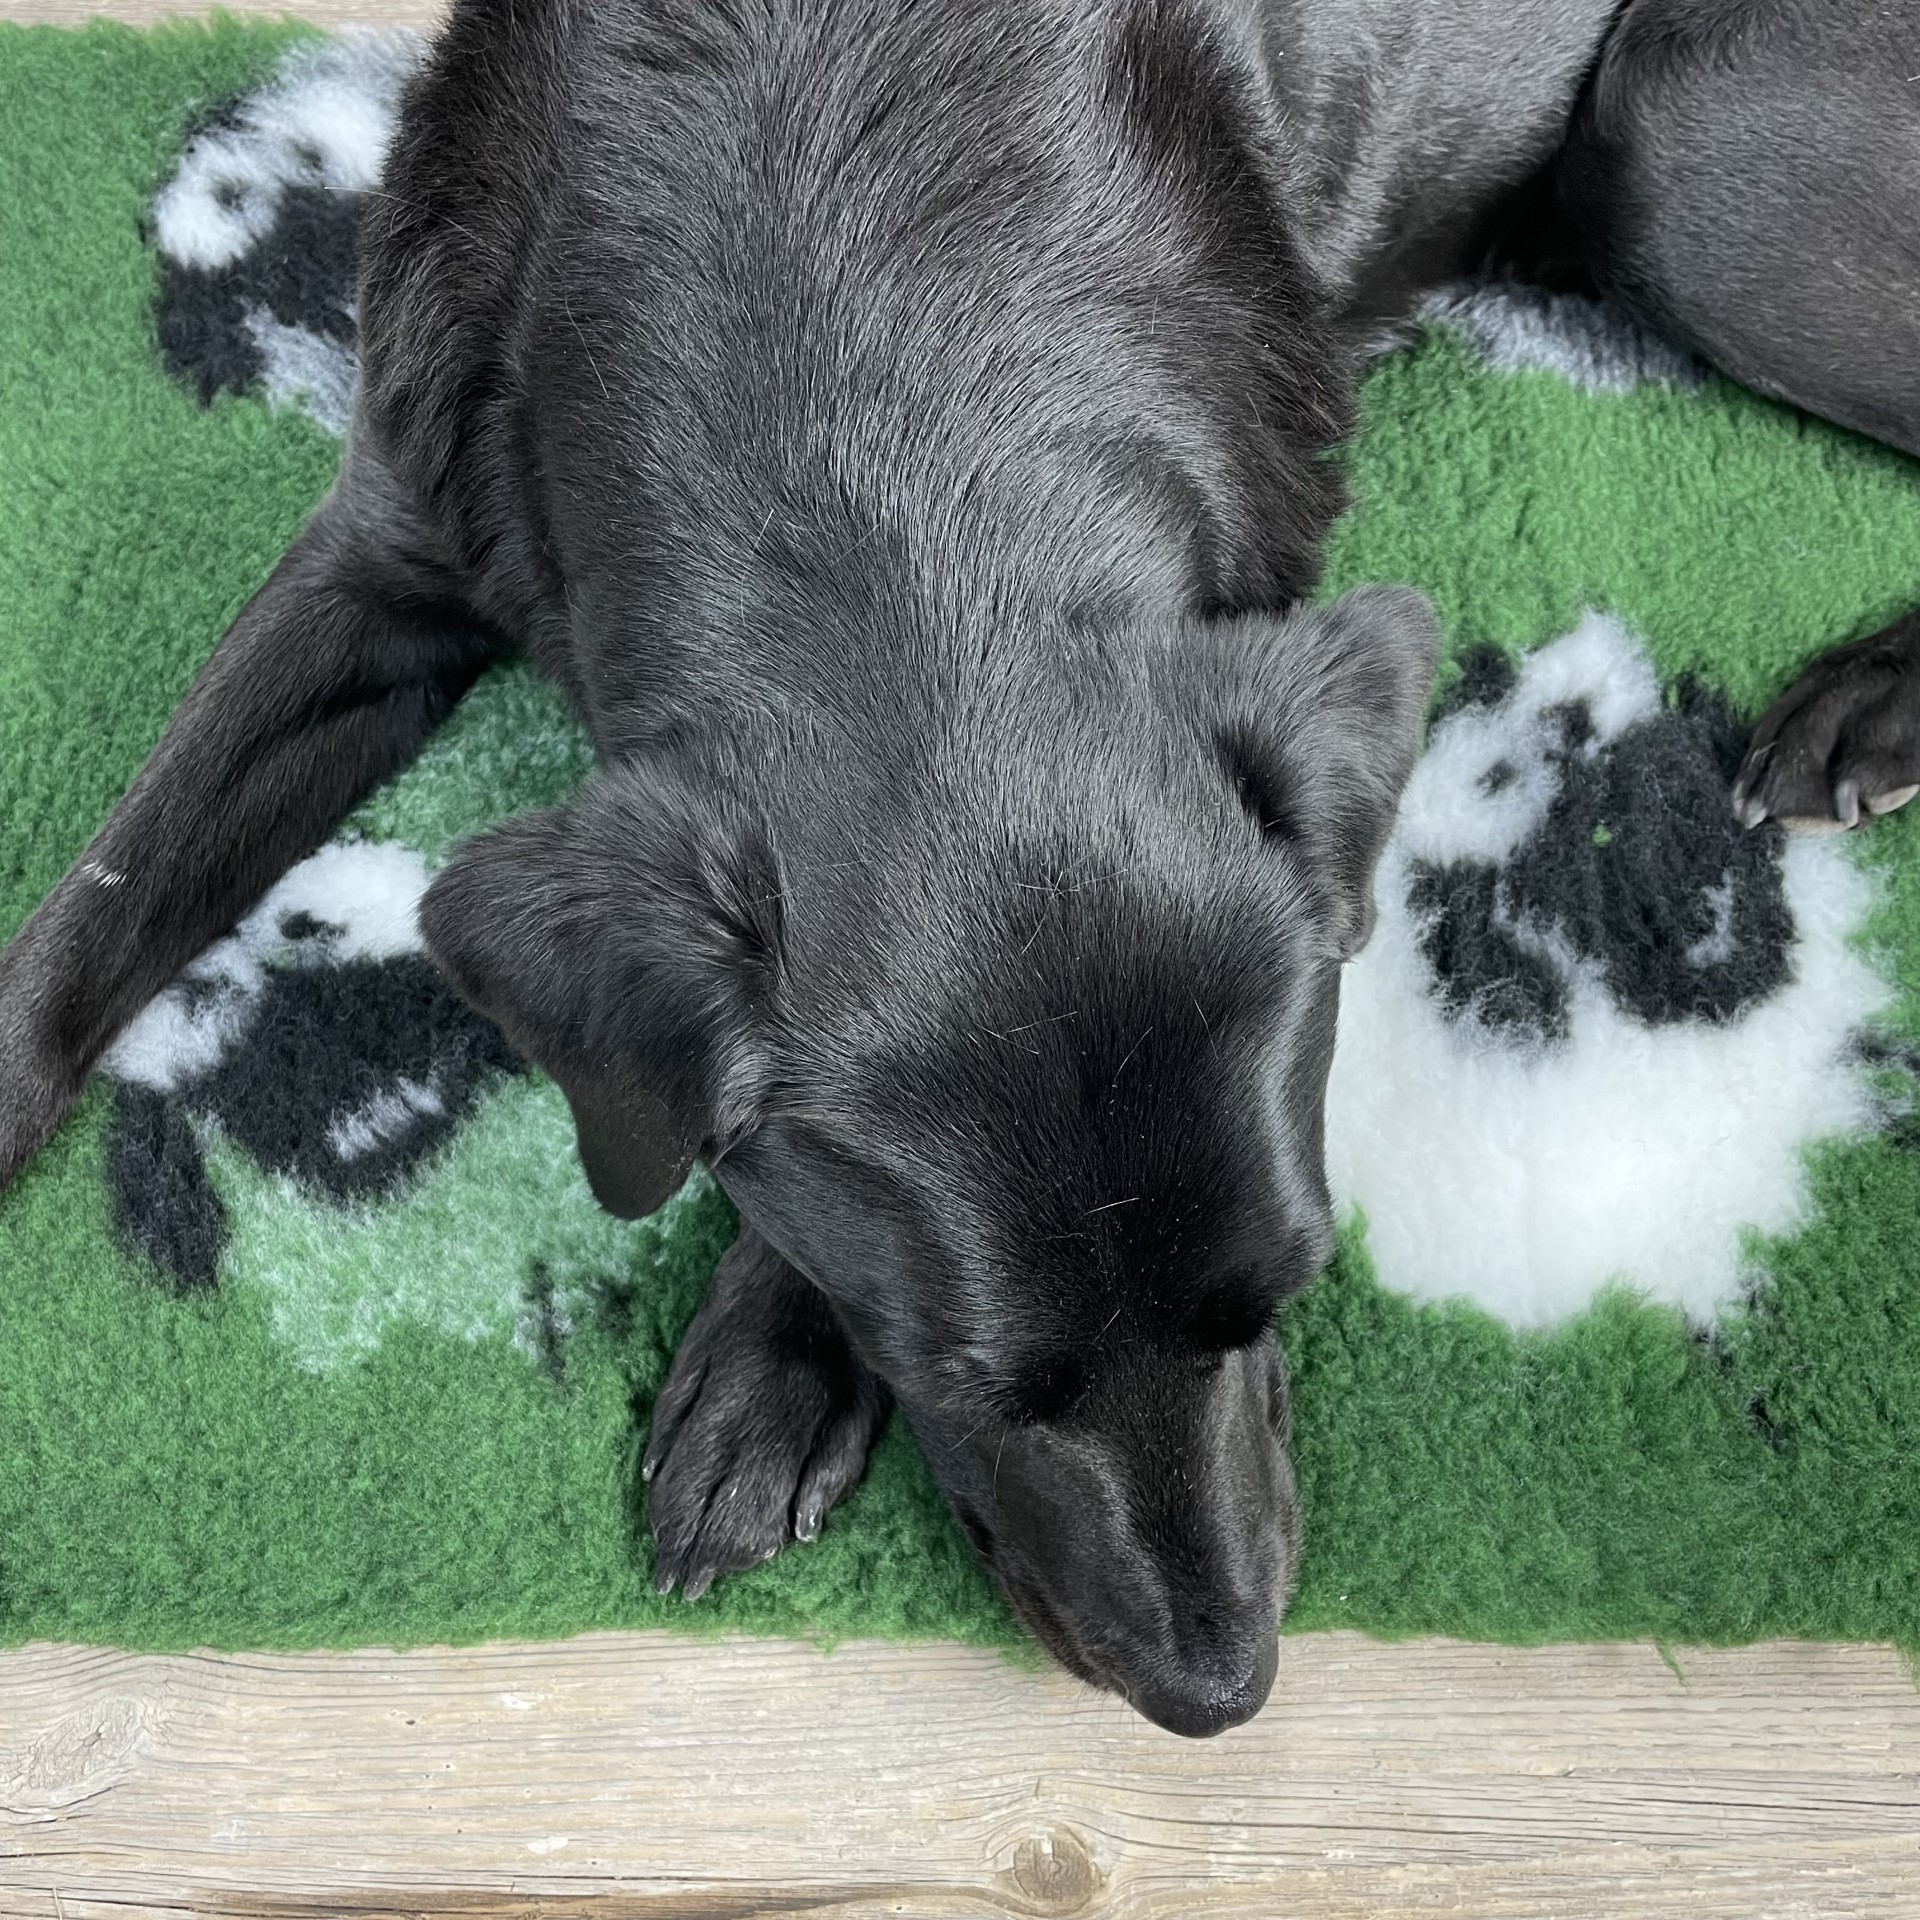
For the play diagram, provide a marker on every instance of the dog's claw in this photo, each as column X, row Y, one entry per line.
column 1842, row 744
column 1748, row 807
column 765, row 1420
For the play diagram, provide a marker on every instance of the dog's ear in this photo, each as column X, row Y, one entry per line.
column 629, row 944
column 1315, row 717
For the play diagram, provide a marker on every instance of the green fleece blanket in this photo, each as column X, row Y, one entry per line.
column 309, row 1331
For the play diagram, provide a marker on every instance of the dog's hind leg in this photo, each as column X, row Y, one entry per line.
column 1745, row 174
column 329, row 680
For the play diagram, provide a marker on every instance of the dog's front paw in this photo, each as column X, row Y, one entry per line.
column 27, row 1120
column 765, row 1421
column 34, row 1096
column 1843, row 742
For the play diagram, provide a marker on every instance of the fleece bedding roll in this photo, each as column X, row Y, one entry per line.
column 310, row 1332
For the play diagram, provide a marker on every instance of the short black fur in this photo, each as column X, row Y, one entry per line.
column 904, row 430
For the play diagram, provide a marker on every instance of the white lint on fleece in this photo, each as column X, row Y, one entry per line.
column 364, row 899
column 304, row 368
column 1525, row 1178
column 325, row 120
column 1593, row 344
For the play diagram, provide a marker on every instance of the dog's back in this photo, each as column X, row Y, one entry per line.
column 919, row 314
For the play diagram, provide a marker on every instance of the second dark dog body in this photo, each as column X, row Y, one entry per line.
column 903, row 430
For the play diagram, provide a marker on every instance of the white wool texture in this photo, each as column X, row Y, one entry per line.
column 325, row 120
column 1592, row 343
column 367, row 896
column 1527, row 1178
column 306, row 369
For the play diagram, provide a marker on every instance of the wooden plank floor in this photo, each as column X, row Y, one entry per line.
column 640, row 1775
column 646, row 1776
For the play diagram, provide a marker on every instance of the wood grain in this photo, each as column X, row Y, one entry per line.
column 655, row 1776
column 642, row 1777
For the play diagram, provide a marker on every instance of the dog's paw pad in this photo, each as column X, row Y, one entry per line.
column 1842, row 745
column 765, row 1421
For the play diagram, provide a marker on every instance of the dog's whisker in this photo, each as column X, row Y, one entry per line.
column 567, row 308
column 1051, row 1020
column 1131, row 1051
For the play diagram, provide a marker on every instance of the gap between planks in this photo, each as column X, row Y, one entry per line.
column 650, row 1776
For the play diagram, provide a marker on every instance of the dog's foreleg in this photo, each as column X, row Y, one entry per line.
column 765, row 1421
column 328, row 681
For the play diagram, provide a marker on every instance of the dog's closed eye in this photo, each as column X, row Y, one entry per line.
column 1235, row 1312
column 1046, row 1390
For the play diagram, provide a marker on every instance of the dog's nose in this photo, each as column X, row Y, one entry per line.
column 1209, row 1695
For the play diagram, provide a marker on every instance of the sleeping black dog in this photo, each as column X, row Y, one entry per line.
column 903, row 429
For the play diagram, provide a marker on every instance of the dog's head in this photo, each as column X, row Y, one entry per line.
column 1016, row 1044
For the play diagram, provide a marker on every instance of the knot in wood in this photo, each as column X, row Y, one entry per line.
column 1055, row 1874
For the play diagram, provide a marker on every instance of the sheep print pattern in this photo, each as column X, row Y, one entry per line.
column 312, row 1331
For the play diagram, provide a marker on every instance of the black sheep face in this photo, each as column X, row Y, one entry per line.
column 1628, row 867
column 317, row 1037
column 256, row 230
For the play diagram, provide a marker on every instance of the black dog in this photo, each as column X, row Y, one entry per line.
column 902, row 428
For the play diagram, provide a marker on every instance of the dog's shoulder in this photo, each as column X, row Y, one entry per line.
column 712, row 296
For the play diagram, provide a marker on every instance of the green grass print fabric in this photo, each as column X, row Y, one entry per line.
column 417, row 1415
